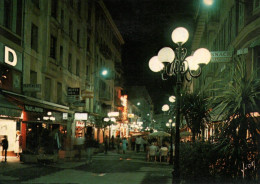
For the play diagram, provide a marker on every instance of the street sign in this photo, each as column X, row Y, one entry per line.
column 73, row 94
column 73, row 91
column 31, row 87
column 221, row 56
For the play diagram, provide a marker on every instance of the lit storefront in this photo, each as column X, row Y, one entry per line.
column 10, row 79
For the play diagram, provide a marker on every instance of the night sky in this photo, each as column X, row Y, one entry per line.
column 146, row 26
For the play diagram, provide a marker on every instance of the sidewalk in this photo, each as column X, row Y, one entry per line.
column 130, row 168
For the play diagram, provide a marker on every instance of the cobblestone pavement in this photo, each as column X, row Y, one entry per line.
column 111, row 168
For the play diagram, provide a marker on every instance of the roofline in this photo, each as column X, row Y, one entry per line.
column 110, row 19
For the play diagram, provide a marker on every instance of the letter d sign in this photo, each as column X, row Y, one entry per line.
column 7, row 58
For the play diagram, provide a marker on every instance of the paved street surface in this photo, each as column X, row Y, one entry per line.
column 113, row 168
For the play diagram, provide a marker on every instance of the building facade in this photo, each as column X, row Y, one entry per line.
column 230, row 30
column 51, row 53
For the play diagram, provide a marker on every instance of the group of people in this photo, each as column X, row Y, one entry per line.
column 158, row 152
column 138, row 142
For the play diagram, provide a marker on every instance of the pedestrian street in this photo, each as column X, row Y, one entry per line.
column 107, row 168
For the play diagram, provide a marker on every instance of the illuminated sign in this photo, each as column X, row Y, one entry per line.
column 113, row 114
column 80, row 124
column 124, row 103
column 81, row 116
column 131, row 115
column 10, row 57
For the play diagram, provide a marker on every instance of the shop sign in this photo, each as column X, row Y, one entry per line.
column 130, row 115
column 73, row 94
column 31, row 87
column 113, row 114
column 87, row 94
column 10, row 57
column 80, row 124
column 81, row 116
column 73, row 91
column 242, row 51
column 65, row 115
column 221, row 56
column 30, row 108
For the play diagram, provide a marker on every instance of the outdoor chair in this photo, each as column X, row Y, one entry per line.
column 152, row 153
column 163, row 153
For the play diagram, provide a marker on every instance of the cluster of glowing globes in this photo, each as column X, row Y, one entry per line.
column 166, row 55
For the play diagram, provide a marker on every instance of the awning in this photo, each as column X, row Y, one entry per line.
column 26, row 100
column 8, row 108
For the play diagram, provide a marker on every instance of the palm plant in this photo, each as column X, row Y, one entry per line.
column 237, row 100
column 195, row 109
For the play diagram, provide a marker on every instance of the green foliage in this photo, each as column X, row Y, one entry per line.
column 196, row 161
column 236, row 100
column 196, row 110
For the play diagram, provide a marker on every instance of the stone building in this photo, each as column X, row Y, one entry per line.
column 60, row 47
column 229, row 29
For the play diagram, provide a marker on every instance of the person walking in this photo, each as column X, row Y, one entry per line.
column 113, row 142
column 145, row 142
column 89, row 144
column 18, row 144
column 106, row 144
column 138, row 143
column 118, row 142
column 5, row 147
column 133, row 143
column 124, row 145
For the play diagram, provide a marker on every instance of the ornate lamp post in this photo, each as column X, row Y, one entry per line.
column 175, row 63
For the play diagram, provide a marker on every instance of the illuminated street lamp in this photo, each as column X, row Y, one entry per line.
column 175, row 63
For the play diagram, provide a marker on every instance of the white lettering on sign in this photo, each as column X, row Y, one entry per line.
column 9, row 51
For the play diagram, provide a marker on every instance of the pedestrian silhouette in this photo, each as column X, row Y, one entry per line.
column 5, row 146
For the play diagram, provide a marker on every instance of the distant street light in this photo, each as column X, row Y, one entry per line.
column 138, row 103
column 175, row 63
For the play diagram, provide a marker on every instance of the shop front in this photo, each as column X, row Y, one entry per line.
column 42, row 123
column 10, row 122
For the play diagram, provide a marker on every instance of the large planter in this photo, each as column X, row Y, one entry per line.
column 28, row 158
column 47, row 158
column 40, row 158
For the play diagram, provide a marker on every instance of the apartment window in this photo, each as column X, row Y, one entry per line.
column 47, row 89
column 54, row 8
column 88, row 44
column 33, row 80
column 78, row 36
column 61, row 55
column 256, row 4
column 70, row 63
column 241, row 15
column 62, row 18
column 89, row 13
column 257, row 59
column 34, row 37
column 70, row 28
column 59, row 93
column 87, row 70
column 71, row 3
column 53, row 47
column 36, row 3
column 79, row 6
column 77, row 67
column 8, row 11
